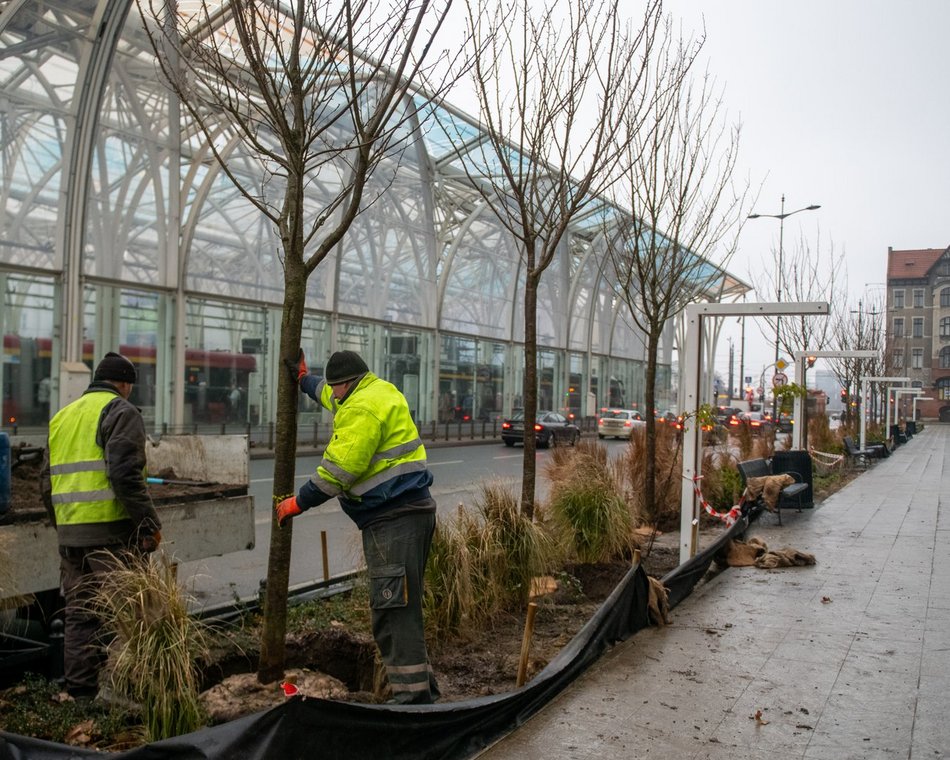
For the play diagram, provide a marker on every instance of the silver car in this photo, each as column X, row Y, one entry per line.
column 619, row 423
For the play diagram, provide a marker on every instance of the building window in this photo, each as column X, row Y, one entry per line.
column 918, row 327
column 945, row 297
column 917, row 358
column 945, row 357
column 945, row 327
column 898, row 299
column 918, row 298
column 943, row 388
column 898, row 327
column 898, row 358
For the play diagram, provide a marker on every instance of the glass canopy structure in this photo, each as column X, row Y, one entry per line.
column 119, row 231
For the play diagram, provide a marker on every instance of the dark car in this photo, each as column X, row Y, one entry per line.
column 726, row 413
column 785, row 423
column 551, row 428
column 758, row 423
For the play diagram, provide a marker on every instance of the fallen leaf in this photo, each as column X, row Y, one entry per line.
column 826, row 600
column 758, row 719
column 81, row 733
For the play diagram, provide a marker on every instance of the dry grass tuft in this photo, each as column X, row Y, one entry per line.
column 155, row 645
column 482, row 564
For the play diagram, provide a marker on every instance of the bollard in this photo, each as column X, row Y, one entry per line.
column 54, row 654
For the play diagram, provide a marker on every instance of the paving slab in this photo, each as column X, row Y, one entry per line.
column 849, row 658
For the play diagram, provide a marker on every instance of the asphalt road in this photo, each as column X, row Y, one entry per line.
column 459, row 472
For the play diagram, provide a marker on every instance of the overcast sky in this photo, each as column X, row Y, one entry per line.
column 842, row 103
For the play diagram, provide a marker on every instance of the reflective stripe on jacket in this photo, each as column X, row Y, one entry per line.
column 81, row 492
column 375, row 461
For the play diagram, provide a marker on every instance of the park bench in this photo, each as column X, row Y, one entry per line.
column 862, row 457
column 790, row 495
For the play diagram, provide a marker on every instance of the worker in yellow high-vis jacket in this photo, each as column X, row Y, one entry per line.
column 93, row 484
column 375, row 464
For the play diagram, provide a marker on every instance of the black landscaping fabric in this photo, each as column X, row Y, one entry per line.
column 331, row 730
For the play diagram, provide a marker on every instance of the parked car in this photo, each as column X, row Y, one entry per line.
column 757, row 422
column 785, row 422
column 619, row 423
column 550, row 428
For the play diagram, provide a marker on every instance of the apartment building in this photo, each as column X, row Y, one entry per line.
column 918, row 326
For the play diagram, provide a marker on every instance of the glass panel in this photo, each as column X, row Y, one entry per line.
column 26, row 323
column 402, row 366
column 224, row 345
column 457, row 379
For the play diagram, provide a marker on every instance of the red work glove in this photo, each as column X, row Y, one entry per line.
column 286, row 509
column 150, row 542
column 297, row 368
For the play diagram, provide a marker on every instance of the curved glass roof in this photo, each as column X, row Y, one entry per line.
column 102, row 172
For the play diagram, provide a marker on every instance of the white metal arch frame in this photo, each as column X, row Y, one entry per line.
column 692, row 372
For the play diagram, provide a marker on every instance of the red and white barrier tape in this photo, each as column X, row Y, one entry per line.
column 729, row 517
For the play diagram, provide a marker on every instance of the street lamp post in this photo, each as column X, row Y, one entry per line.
column 781, row 216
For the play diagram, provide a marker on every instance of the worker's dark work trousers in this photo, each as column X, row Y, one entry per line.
column 396, row 550
column 82, row 571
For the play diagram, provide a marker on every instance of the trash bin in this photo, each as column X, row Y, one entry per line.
column 910, row 428
column 897, row 436
column 796, row 460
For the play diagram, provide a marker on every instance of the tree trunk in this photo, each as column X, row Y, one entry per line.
column 530, row 390
column 649, row 471
column 272, row 658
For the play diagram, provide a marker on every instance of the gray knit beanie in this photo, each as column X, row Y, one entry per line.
column 344, row 366
column 117, row 368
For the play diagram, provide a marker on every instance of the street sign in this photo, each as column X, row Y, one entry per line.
column 760, row 390
column 779, row 379
column 780, row 365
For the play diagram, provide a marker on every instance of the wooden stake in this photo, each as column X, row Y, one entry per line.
column 526, row 644
column 636, row 557
column 326, row 559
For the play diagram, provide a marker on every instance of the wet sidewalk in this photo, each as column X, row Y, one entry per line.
column 846, row 659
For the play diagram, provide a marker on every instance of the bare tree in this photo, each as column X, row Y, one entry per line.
column 553, row 85
column 858, row 329
column 683, row 212
column 807, row 275
column 293, row 83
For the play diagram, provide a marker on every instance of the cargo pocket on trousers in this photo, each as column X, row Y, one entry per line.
column 387, row 587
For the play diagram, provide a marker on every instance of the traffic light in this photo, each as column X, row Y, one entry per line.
column 844, row 394
column 811, row 361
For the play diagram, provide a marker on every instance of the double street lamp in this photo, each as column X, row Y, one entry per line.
column 781, row 216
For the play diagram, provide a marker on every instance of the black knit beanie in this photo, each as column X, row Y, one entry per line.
column 344, row 366
column 117, row 368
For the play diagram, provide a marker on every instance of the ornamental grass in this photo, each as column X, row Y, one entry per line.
column 588, row 512
column 154, row 645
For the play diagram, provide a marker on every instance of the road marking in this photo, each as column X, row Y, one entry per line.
column 454, row 461
column 509, row 456
column 270, row 480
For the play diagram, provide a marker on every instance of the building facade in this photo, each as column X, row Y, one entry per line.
column 918, row 327
column 120, row 231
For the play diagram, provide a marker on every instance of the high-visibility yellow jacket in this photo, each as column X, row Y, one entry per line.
column 375, row 461
column 94, row 477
